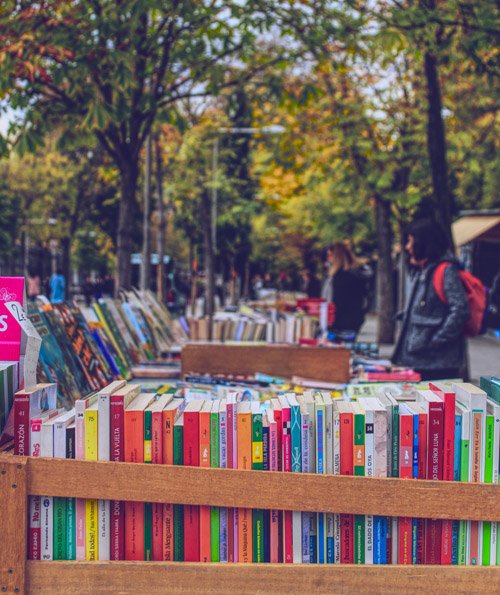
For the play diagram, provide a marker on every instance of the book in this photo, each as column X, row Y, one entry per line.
column 346, row 412
column 178, row 511
column 257, row 464
column 214, row 462
column 359, row 470
column 91, row 506
column 205, row 447
column 244, row 447
column 134, row 453
column 191, row 448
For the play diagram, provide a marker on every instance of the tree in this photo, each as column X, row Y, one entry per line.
column 111, row 67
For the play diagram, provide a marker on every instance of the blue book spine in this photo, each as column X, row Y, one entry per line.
column 321, row 537
column 321, row 528
column 296, row 438
column 380, row 540
column 330, row 554
column 104, row 350
column 454, row 542
column 414, row 528
column 313, row 545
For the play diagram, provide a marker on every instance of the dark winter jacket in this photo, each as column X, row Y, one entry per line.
column 349, row 296
column 432, row 335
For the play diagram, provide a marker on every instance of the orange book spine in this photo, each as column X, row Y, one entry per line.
column 168, row 509
column 134, row 511
column 245, row 542
column 204, row 510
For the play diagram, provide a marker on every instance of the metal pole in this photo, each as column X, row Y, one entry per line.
column 145, row 264
column 215, row 165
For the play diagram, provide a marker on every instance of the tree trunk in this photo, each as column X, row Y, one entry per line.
column 145, row 282
column 66, row 262
column 129, row 173
column 160, row 290
column 209, row 254
column 436, row 146
column 385, row 278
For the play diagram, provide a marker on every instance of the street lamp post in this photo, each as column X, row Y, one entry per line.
column 209, row 268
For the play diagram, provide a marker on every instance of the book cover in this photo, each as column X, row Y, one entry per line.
column 223, row 529
column 191, row 446
column 359, row 469
column 205, row 515
column 244, row 446
column 257, row 464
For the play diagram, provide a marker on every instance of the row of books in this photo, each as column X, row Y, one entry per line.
column 446, row 432
column 289, row 328
column 85, row 353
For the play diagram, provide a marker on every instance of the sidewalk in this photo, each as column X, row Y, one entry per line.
column 484, row 351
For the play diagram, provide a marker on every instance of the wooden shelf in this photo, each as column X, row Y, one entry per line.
column 21, row 477
column 329, row 364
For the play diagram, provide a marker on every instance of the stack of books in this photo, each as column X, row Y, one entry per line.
column 443, row 432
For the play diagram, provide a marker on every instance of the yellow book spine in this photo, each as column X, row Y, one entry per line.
column 91, row 535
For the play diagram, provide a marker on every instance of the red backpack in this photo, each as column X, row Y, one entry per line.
column 477, row 297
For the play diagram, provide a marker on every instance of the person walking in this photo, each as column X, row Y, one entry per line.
column 57, row 287
column 346, row 287
column 34, row 286
column 432, row 339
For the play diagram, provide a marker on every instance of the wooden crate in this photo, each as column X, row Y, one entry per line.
column 329, row 364
column 21, row 477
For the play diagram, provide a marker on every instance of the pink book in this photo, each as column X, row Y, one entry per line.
column 445, row 393
column 230, row 417
column 273, row 466
column 287, row 467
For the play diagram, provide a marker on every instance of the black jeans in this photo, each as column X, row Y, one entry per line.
column 441, row 374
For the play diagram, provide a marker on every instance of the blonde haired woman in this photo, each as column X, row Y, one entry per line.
column 346, row 285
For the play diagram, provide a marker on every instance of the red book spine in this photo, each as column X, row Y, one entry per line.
column 346, row 468
column 422, row 473
column 230, row 465
column 191, row 513
column 448, row 464
column 168, row 509
column 117, row 454
column 134, row 511
column 405, row 472
column 278, row 418
column 435, row 433
column 22, row 425
column 157, row 458
column 287, row 468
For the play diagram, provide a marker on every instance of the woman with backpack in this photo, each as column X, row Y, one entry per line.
column 432, row 338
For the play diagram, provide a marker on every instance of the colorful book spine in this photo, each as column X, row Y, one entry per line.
column 464, row 526
column 369, row 472
column 223, row 530
column 336, row 471
column 35, row 502
column 244, row 425
column 91, row 509
column 178, row 509
column 305, row 517
column 296, row 467
column 273, row 515
column 232, row 463
column 168, row 509
column 488, row 478
column 359, row 470
column 148, row 507
column 214, row 462
column 320, row 468
column 433, row 527
column 257, row 464
column 346, row 468
column 287, row 467
column 157, row 508
column 70, row 502
column 204, row 514
column 191, row 440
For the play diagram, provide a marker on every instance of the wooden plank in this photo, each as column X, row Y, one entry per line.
column 259, row 489
column 321, row 363
column 184, row 577
column 13, row 548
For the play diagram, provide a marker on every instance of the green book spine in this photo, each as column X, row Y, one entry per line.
column 178, row 508
column 258, row 464
column 488, row 478
column 463, row 526
column 70, row 529
column 214, row 510
column 395, row 441
column 59, row 528
column 359, row 469
column 148, row 507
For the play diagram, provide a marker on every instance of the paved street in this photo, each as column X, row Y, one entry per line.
column 484, row 352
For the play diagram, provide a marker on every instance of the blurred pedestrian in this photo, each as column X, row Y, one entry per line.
column 57, row 287
column 432, row 339
column 346, row 286
column 309, row 284
column 34, row 286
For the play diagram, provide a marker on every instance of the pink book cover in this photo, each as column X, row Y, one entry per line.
column 448, row 397
column 230, row 465
column 287, row 467
column 11, row 290
column 157, row 458
column 274, row 516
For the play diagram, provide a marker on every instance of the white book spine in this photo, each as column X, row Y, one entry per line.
column 103, row 426
column 306, row 464
column 47, row 520
column 35, row 501
column 104, row 523
column 369, row 472
column 336, row 471
column 80, row 513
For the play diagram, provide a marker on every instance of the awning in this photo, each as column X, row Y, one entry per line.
column 467, row 229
